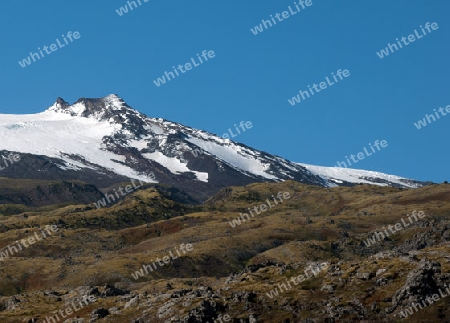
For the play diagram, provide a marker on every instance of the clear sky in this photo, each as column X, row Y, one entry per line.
column 251, row 76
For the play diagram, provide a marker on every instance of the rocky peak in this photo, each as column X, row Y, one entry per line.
column 108, row 107
column 61, row 103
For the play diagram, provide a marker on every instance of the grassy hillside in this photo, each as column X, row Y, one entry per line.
column 231, row 269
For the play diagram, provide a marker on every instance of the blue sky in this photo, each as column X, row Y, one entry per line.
column 251, row 76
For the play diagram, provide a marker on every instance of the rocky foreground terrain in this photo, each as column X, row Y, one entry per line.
column 307, row 259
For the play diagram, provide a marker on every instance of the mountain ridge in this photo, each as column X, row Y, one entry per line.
column 107, row 137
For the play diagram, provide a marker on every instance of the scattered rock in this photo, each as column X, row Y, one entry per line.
column 110, row 291
column 99, row 313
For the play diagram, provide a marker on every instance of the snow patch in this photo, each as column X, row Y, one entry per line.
column 45, row 133
column 174, row 165
column 338, row 174
column 234, row 156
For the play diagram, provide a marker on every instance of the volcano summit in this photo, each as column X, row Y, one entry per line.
column 104, row 141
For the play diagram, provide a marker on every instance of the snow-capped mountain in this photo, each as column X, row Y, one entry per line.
column 105, row 141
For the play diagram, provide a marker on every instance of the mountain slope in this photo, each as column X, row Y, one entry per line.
column 104, row 141
column 235, row 268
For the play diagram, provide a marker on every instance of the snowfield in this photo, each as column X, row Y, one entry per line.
column 62, row 131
